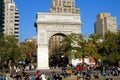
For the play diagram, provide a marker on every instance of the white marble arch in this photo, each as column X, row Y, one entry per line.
column 49, row 24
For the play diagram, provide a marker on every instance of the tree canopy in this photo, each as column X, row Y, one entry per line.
column 106, row 48
column 9, row 48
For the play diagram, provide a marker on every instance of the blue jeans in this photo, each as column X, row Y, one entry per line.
column 2, row 78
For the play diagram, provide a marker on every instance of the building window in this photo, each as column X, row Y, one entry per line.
column 60, row 9
column 11, row 24
column 59, row 2
column 11, row 9
column 64, row 2
column 68, row 2
column 11, row 20
column 69, row 10
column 11, row 13
column 11, row 29
column 11, row 17
column 65, row 10
column 10, row 32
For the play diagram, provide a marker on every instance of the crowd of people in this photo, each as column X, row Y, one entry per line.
column 26, row 76
column 88, row 71
column 81, row 71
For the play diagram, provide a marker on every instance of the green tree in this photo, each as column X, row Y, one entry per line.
column 73, row 45
column 82, row 47
column 9, row 48
column 110, row 47
column 28, row 48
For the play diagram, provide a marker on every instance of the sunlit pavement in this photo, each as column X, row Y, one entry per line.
column 46, row 71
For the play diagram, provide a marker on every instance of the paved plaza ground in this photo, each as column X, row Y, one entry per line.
column 102, row 78
column 72, row 77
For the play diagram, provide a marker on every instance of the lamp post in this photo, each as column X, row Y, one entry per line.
column 0, row 60
column 72, row 56
column 62, row 60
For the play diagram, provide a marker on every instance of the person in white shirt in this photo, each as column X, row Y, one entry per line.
column 43, row 76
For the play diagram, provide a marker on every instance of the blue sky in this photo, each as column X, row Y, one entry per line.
column 88, row 10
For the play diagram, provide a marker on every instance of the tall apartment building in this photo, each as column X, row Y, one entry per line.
column 64, row 6
column 1, row 15
column 105, row 22
column 9, row 18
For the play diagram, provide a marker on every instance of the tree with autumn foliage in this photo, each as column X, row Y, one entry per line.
column 28, row 51
column 9, row 48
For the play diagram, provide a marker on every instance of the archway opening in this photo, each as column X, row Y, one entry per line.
column 57, row 54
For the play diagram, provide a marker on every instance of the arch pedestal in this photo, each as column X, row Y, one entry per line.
column 42, row 57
